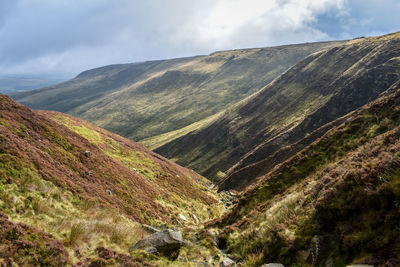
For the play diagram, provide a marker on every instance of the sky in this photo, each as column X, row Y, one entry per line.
column 65, row 37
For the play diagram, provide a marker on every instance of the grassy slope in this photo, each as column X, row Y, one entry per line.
column 336, row 200
column 157, row 141
column 48, row 183
column 317, row 90
column 151, row 98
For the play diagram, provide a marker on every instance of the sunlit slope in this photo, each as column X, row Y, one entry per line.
column 147, row 99
column 317, row 90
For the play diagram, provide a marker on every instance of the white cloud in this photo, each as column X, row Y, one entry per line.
column 244, row 23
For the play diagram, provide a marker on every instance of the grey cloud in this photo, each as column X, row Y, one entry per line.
column 50, row 36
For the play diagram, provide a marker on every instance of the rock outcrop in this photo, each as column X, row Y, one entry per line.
column 167, row 243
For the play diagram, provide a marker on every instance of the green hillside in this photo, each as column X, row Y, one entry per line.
column 324, row 86
column 147, row 99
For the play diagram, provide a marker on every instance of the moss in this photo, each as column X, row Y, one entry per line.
column 58, row 138
column 5, row 124
column 87, row 133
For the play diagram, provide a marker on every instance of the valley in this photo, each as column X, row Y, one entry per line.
column 247, row 157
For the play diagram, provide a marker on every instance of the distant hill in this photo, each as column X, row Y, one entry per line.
column 65, row 183
column 250, row 138
column 143, row 100
column 10, row 84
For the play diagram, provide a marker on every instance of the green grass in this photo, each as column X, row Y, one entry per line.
column 162, row 139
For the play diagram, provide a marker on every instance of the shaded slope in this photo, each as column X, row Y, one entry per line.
column 335, row 201
column 317, row 90
column 151, row 98
column 50, row 182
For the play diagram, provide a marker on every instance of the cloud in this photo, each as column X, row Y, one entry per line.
column 244, row 23
column 48, row 36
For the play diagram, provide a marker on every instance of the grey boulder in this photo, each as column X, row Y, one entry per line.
column 167, row 243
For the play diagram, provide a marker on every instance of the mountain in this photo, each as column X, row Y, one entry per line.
column 143, row 100
column 308, row 167
column 268, row 127
column 334, row 203
column 69, row 190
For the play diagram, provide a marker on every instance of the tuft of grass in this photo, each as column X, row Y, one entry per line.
column 76, row 234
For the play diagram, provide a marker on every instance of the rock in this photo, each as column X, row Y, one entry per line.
column 87, row 153
column 150, row 228
column 109, row 192
column 195, row 218
column 227, row 263
column 272, row 265
column 167, row 242
column 360, row 265
column 151, row 250
column 182, row 217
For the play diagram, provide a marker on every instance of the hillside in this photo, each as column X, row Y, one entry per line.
column 147, row 99
column 334, row 203
column 85, row 189
column 319, row 89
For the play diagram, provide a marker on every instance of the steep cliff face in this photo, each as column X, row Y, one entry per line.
column 317, row 90
column 336, row 201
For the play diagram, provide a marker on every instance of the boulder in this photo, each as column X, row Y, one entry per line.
column 87, row 153
column 167, row 243
column 272, row 265
column 227, row 263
